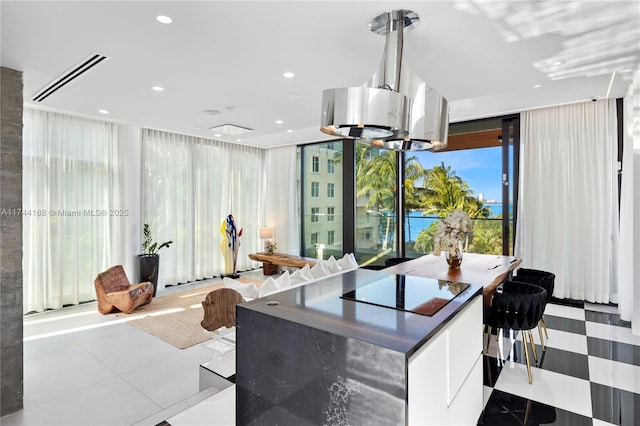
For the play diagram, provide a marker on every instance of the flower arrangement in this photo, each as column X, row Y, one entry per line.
column 270, row 246
column 450, row 232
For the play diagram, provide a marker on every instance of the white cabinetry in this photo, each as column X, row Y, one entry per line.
column 445, row 375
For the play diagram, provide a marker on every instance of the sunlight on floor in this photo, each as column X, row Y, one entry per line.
column 93, row 326
column 58, row 318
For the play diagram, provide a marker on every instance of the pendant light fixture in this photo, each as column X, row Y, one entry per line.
column 395, row 109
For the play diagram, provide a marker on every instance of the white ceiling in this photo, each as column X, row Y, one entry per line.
column 483, row 56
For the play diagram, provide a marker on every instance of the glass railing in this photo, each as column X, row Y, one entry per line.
column 375, row 237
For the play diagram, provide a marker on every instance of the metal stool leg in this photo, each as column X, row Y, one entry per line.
column 541, row 339
column 526, row 355
column 545, row 327
column 533, row 345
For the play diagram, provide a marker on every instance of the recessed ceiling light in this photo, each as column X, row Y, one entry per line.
column 158, row 88
column 289, row 130
column 279, row 121
column 103, row 111
column 164, row 19
column 294, row 96
column 238, row 140
column 231, row 108
column 556, row 63
column 288, row 74
column 217, row 135
column 212, row 112
column 535, row 86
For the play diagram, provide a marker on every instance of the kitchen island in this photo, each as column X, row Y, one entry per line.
column 363, row 347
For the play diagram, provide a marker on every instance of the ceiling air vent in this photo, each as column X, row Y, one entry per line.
column 68, row 76
column 231, row 129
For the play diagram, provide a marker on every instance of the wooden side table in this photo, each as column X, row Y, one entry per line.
column 271, row 262
column 269, row 268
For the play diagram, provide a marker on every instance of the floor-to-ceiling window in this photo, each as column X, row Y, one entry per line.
column 474, row 173
column 73, row 208
column 375, row 207
column 190, row 185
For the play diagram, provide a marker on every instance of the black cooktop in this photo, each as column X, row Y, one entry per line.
column 424, row 296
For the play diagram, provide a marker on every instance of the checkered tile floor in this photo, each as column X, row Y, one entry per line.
column 589, row 373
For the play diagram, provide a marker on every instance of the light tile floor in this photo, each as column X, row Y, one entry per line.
column 84, row 368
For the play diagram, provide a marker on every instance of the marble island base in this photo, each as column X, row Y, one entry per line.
column 308, row 357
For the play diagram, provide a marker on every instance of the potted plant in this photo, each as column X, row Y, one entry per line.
column 149, row 260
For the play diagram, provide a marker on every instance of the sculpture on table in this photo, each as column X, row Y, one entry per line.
column 230, row 245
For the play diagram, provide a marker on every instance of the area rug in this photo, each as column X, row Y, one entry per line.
column 176, row 318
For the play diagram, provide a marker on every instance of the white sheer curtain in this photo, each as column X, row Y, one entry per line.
column 72, row 207
column 568, row 198
column 628, row 264
column 189, row 186
column 281, row 204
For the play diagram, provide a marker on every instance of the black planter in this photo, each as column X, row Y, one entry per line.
column 148, row 269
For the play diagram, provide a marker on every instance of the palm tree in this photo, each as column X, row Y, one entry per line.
column 487, row 237
column 436, row 191
column 445, row 192
column 363, row 153
column 376, row 176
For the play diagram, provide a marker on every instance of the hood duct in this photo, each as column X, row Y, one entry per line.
column 394, row 109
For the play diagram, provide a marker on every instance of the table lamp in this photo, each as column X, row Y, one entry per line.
column 266, row 233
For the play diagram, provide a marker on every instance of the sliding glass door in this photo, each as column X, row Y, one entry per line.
column 473, row 174
column 350, row 190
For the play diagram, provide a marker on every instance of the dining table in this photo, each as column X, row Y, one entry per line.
column 487, row 270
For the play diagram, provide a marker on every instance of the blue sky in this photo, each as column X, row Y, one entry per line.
column 481, row 168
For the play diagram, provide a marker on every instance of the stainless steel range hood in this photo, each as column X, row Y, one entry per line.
column 395, row 109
